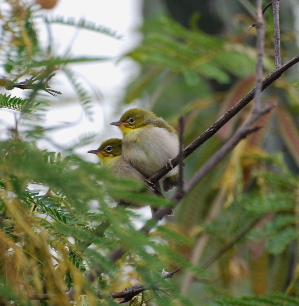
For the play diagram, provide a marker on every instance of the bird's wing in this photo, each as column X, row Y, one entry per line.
column 161, row 123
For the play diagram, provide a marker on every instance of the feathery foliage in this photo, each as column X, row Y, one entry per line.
column 60, row 226
column 15, row 103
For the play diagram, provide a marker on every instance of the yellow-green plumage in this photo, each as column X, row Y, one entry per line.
column 149, row 143
column 110, row 153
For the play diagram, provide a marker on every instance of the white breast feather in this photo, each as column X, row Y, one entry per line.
column 153, row 152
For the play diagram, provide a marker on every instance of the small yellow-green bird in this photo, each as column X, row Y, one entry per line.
column 149, row 143
column 110, row 154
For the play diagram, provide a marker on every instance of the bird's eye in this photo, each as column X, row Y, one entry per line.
column 131, row 120
column 109, row 149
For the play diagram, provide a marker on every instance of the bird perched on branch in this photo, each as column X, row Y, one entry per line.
column 110, row 153
column 149, row 143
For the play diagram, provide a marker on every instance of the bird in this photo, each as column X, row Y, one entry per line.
column 149, row 143
column 110, row 154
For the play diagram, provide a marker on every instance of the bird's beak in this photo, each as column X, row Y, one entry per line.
column 96, row 151
column 119, row 123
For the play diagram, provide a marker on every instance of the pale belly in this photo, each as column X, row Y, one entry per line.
column 149, row 149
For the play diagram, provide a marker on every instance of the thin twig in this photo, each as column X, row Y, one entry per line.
column 260, row 55
column 275, row 8
column 263, row 12
column 131, row 292
column 32, row 83
column 213, row 161
column 267, row 6
column 180, row 187
column 128, row 293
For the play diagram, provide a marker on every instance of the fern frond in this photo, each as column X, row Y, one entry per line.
column 278, row 243
column 278, row 233
column 171, row 46
column 272, row 202
column 83, row 24
column 11, row 102
column 278, row 300
column 58, row 61
column 83, row 95
column 81, row 141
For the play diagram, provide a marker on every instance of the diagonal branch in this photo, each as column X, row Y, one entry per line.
column 241, row 133
column 273, row 76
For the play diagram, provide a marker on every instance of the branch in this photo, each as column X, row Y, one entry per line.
column 273, row 76
column 131, row 292
column 275, row 8
column 127, row 295
column 31, row 83
column 260, row 54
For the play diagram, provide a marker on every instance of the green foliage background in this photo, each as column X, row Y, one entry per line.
column 57, row 217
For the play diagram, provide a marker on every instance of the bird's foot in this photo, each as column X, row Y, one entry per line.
column 150, row 185
column 169, row 164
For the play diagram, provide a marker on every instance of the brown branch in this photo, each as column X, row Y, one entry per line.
column 126, row 295
column 273, row 76
column 266, row 7
column 260, row 55
column 217, row 157
column 275, row 8
column 131, row 292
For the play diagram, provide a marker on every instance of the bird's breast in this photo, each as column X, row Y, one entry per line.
column 148, row 149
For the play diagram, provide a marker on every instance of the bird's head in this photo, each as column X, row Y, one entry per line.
column 108, row 150
column 134, row 118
